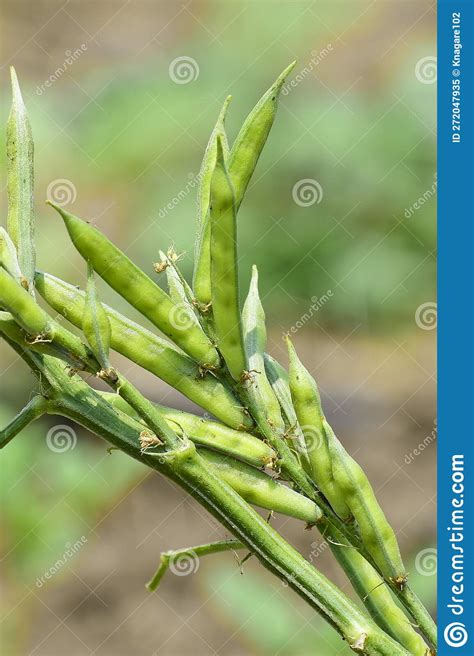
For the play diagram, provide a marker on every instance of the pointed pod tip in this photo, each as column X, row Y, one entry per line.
column 223, row 112
column 277, row 85
column 61, row 211
column 54, row 205
column 16, row 91
column 289, row 344
column 254, row 275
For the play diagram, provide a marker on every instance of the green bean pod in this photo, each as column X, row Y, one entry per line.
column 208, row 433
column 375, row 594
column 278, row 379
column 307, row 404
column 38, row 325
column 8, row 255
column 111, row 264
column 202, row 253
column 251, row 139
column 258, row 393
column 224, row 270
column 257, row 488
column 151, row 352
column 95, row 323
column 20, row 183
column 377, row 536
column 255, row 340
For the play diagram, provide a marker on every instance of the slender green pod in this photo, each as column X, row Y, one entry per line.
column 377, row 536
column 38, row 325
column 202, row 252
column 8, row 255
column 243, row 158
column 260, row 489
column 151, row 352
column 178, row 293
column 258, row 393
column 111, row 264
column 208, row 433
column 95, row 322
column 278, row 379
column 11, row 330
column 20, row 184
column 374, row 592
column 307, row 404
column 251, row 139
column 255, row 340
column 224, row 270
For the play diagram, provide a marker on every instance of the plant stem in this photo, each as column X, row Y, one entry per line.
column 417, row 610
column 34, row 409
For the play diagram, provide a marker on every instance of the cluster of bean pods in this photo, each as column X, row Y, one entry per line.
column 269, row 443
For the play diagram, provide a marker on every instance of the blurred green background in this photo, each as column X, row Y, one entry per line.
column 120, row 126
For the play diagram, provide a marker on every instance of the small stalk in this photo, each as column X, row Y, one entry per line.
column 177, row 557
column 36, row 408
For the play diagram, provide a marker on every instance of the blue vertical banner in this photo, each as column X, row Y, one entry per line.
column 456, row 327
